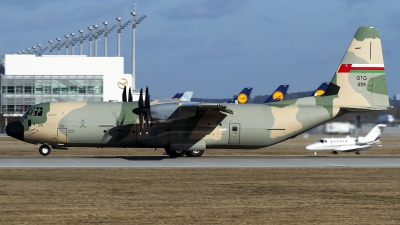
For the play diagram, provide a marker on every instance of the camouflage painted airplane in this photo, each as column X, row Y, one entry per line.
column 358, row 85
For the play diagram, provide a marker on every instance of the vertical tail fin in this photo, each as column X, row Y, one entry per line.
column 243, row 96
column 373, row 135
column 360, row 80
column 177, row 96
column 278, row 95
column 321, row 89
column 187, row 96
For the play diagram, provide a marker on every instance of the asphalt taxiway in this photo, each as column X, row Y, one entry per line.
column 203, row 162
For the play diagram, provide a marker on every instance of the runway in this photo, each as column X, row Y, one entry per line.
column 203, row 162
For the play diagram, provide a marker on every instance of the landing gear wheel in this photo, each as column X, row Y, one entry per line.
column 334, row 152
column 357, row 152
column 45, row 150
column 174, row 154
column 194, row 153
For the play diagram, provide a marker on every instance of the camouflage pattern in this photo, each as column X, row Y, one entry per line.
column 359, row 85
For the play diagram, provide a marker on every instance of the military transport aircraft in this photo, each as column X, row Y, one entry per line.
column 348, row 144
column 358, row 85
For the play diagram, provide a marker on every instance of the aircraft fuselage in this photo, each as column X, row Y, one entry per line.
column 112, row 124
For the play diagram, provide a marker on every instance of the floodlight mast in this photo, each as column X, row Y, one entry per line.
column 90, row 41
column 40, row 49
column 133, row 50
column 134, row 23
column 58, row 46
column 80, row 42
column 66, row 45
column 119, row 37
column 95, row 39
column 73, row 43
column 105, row 38
column 51, row 47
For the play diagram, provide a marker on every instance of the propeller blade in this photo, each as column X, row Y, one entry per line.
column 147, row 100
column 147, row 121
column 130, row 95
column 140, row 122
column 124, row 95
column 141, row 99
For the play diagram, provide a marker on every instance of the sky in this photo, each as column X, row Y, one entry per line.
column 215, row 47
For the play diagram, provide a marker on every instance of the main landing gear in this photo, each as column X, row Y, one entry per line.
column 194, row 153
column 45, row 150
column 175, row 154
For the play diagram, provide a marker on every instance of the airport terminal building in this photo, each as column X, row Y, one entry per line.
column 29, row 79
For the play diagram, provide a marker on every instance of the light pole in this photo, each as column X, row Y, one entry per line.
column 66, row 45
column 80, row 42
column 58, row 46
column 51, row 47
column 95, row 40
column 119, row 37
column 73, row 43
column 134, row 23
column 40, row 49
column 90, row 41
column 105, row 38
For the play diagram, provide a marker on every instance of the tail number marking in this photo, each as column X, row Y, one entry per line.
column 361, row 84
column 361, row 78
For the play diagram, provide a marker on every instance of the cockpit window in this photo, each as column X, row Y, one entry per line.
column 35, row 111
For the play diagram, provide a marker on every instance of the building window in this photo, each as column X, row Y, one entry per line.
column 56, row 90
column 73, row 90
column 10, row 90
column 39, row 90
column 47, row 90
column 19, row 90
column 64, row 90
column 82, row 90
column 28, row 90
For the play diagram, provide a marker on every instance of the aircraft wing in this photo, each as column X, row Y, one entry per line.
column 201, row 106
column 351, row 147
column 174, row 110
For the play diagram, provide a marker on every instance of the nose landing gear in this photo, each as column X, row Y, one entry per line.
column 45, row 150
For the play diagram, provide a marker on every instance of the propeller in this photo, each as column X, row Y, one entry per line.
column 143, row 110
column 124, row 99
column 124, row 95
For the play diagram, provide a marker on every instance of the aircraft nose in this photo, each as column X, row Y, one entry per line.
column 16, row 130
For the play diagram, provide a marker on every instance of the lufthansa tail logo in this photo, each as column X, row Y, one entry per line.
column 277, row 95
column 122, row 83
column 319, row 92
column 242, row 98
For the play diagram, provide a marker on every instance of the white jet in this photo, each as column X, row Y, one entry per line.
column 348, row 144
